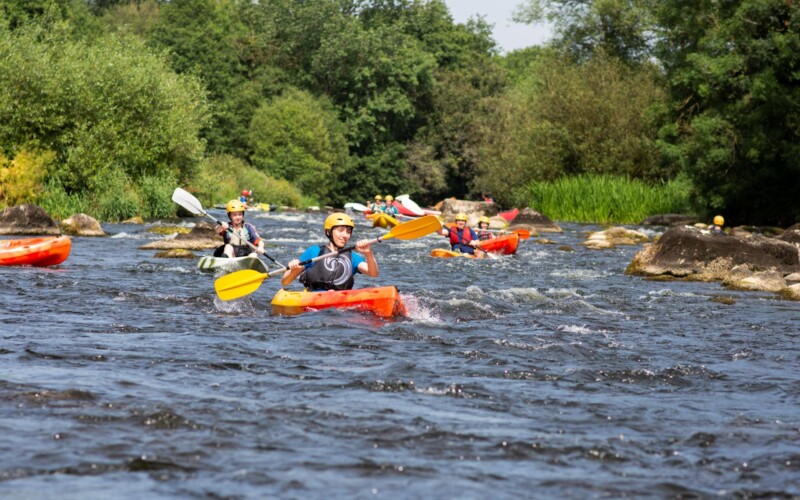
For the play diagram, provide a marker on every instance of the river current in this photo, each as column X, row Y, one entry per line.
column 548, row 374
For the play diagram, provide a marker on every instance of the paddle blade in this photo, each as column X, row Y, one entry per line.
column 356, row 206
column 413, row 229
column 238, row 284
column 523, row 233
column 187, row 201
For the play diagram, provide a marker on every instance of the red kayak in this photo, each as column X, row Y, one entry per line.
column 39, row 252
column 509, row 215
column 502, row 244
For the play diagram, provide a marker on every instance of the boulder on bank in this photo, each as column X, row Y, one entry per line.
column 669, row 220
column 202, row 236
column 473, row 209
column 530, row 219
column 613, row 236
column 752, row 263
column 28, row 219
column 82, row 225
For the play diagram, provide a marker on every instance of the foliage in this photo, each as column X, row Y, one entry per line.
column 222, row 177
column 568, row 119
column 117, row 200
column 607, row 198
column 60, row 204
column 156, row 196
column 22, row 177
column 734, row 79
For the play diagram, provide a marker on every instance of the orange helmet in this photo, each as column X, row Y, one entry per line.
column 245, row 193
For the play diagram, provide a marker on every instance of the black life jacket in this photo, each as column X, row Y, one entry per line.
column 331, row 273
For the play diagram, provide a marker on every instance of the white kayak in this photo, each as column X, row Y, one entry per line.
column 211, row 263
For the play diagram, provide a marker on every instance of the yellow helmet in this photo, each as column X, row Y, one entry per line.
column 389, row 198
column 719, row 220
column 378, row 197
column 484, row 219
column 338, row 219
column 461, row 216
column 234, row 206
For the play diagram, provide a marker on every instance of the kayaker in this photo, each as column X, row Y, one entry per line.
column 716, row 227
column 377, row 205
column 483, row 229
column 236, row 245
column 338, row 271
column 462, row 238
column 243, row 197
column 389, row 208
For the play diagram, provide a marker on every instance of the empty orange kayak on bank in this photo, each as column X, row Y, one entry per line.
column 502, row 244
column 41, row 252
column 382, row 301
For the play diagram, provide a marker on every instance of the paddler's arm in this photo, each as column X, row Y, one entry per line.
column 295, row 270
column 370, row 267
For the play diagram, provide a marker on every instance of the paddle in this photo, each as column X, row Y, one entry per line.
column 241, row 283
column 356, row 206
column 192, row 204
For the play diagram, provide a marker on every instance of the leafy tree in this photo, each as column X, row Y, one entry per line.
column 733, row 76
column 298, row 138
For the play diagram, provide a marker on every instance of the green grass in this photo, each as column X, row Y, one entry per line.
column 608, row 199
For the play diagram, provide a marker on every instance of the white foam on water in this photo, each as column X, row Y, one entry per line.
column 582, row 330
column 584, row 274
column 519, row 295
column 238, row 306
column 416, row 310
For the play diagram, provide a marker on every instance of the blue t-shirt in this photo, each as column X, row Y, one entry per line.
column 313, row 251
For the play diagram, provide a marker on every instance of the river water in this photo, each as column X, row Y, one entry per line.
column 543, row 375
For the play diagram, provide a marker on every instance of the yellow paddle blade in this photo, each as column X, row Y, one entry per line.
column 238, row 284
column 416, row 228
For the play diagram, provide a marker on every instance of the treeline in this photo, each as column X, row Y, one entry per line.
column 107, row 105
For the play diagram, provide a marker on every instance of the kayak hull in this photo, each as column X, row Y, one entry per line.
column 385, row 221
column 382, row 301
column 211, row 263
column 444, row 253
column 40, row 252
column 510, row 214
column 506, row 244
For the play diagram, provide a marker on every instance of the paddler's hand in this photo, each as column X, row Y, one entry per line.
column 222, row 227
column 253, row 254
column 363, row 246
column 294, row 264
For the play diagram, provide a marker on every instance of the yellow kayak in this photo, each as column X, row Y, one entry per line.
column 383, row 220
column 448, row 254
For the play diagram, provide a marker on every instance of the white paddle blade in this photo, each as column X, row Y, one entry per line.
column 187, row 201
column 356, row 206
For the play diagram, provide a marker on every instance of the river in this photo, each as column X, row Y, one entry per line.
column 548, row 374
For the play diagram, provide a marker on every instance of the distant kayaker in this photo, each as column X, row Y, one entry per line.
column 389, row 208
column 483, row 229
column 377, row 205
column 336, row 272
column 716, row 227
column 236, row 245
column 244, row 197
column 462, row 238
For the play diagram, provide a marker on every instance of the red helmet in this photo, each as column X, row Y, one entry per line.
column 245, row 193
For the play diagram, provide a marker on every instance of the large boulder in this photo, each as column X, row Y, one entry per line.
column 752, row 263
column 530, row 219
column 613, row 236
column 202, row 236
column 669, row 220
column 791, row 235
column 82, row 225
column 27, row 219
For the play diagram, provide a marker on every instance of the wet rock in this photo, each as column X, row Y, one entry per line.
column 202, row 236
column 133, row 220
column 473, row 209
column 728, row 301
column 544, row 241
column 614, row 236
column 82, row 225
column 176, row 253
column 528, row 218
column 669, row 220
column 791, row 235
column 792, row 292
column 752, row 263
column 791, row 278
column 27, row 219
column 169, row 230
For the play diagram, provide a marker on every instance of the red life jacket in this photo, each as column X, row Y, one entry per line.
column 466, row 236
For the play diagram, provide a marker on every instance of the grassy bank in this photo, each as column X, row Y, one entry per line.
column 608, row 199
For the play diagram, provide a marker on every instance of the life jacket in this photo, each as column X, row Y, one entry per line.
column 466, row 236
column 245, row 233
column 484, row 234
column 331, row 273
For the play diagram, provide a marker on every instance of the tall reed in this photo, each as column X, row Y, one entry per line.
column 608, row 199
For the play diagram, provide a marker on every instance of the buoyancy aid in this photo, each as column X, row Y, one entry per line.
column 331, row 273
column 466, row 236
column 484, row 234
column 243, row 234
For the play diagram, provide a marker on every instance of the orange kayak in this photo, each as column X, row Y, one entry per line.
column 448, row 254
column 41, row 252
column 502, row 244
column 382, row 301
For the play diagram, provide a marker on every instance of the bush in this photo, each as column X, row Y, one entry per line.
column 60, row 204
column 22, row 178
column 116, row 199
column 156, row 196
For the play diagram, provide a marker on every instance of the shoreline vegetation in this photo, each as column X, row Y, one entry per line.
column 105, row 107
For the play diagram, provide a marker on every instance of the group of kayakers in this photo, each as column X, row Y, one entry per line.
column 336, row 272
column 384, row 205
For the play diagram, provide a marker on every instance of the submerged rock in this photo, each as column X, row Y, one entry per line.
column 202, row 236
column 176, row 253
column 28, row 219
